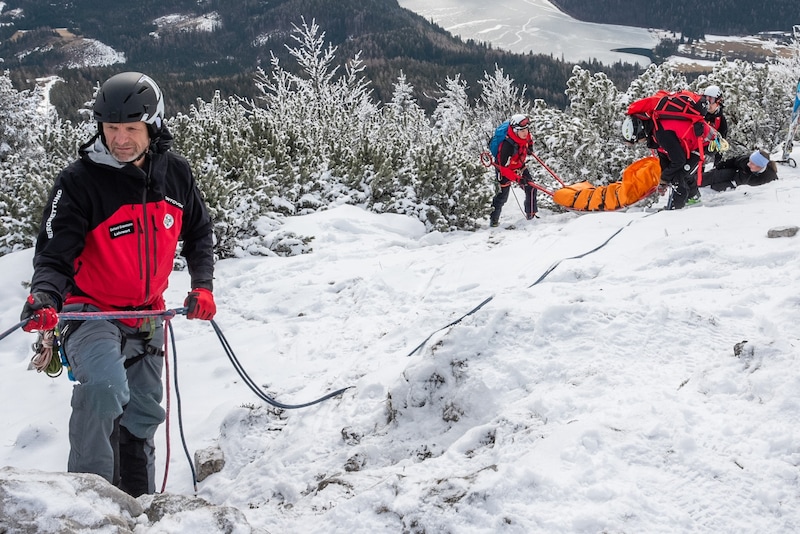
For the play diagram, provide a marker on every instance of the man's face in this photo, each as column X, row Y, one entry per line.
column 127, row 141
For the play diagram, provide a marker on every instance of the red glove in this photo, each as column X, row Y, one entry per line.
column 41, row 309
column 200, row 304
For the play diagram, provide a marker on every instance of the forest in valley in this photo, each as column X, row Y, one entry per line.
column 692, row 20
column 249, row 34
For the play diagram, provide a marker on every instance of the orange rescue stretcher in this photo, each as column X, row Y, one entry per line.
column 639, row 180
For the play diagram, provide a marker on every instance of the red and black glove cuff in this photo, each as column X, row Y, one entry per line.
column 40, row 310
column 200, row 304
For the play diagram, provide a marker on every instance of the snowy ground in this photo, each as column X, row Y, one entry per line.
column 606, row 396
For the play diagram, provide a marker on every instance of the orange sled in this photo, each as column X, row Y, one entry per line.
column 639, row 180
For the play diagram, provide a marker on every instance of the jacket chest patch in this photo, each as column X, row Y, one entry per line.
column 169, row 220
column 121, row 229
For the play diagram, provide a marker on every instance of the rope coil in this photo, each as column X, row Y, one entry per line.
column 43, row 360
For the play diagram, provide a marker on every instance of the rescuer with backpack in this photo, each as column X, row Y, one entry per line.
column 674, row 125
column 510, row 147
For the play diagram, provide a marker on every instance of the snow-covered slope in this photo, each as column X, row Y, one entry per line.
column 618, row 372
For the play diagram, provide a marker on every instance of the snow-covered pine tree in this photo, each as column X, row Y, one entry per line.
column 434, row 177
column 36, row 145
column 20, row 118
column 326, row 122
column 456, row 124
column 597, row 109
column 654, row 78
column 754, row 103
column 499, row 99
column 393, row 180
column 235, row 167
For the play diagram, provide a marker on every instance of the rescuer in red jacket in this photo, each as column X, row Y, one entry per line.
column 107, row 242
column 511, row 156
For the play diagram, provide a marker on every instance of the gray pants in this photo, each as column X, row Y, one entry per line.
column 109, row 395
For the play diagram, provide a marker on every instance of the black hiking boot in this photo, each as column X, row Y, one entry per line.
column 133, row 464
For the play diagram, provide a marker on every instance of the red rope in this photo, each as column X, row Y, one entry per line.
column 488, row 161
column 168, row 393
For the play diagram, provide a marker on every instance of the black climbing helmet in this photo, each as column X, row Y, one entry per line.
column 131, row 97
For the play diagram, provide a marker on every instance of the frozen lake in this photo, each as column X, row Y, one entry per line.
column 537, row 26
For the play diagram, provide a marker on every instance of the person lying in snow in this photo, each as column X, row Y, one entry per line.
column 755, row 169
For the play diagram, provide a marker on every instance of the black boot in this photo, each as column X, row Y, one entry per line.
column 114, row 439
column 133, row 464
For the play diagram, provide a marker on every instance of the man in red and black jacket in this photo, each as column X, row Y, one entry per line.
column 510, row 168
column 107, row 242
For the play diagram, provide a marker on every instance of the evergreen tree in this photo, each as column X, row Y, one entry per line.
column 315, row 138
column 500, row 99
column 456, row 124
column 36, row 145
column 597, row 108
column 236, row 158
column 654, row 78
column 19, row 111
column 326, row 122
column 409, row 129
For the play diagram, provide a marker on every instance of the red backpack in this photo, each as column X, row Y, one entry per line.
column 669, row 105
column 677, row 105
